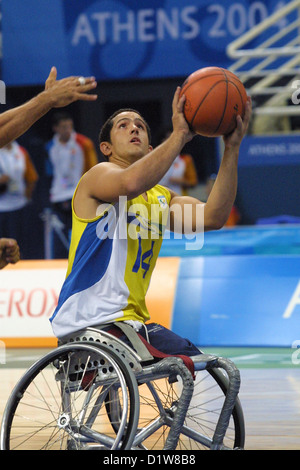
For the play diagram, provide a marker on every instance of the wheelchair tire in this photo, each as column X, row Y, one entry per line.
column 59, row 403
column 237, row 412
column 158, row 403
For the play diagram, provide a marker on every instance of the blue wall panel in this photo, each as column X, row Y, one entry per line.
column 238, row 300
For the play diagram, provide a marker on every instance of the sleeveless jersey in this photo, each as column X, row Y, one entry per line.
column 111, row 260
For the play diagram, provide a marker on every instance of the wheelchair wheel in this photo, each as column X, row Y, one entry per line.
column 158, row 403
column 60, row 402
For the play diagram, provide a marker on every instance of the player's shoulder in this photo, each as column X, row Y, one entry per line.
column 101, row 169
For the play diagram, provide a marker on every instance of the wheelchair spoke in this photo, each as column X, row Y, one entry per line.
column 86, row 395
column 159, row 401
column 62, row 402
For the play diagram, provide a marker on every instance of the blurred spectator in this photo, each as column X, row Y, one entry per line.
column 234, row 217
column 70, row 156
column 182, row 175
column 18, row 178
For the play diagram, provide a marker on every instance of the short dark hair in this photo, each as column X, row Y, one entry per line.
column 104, row 135
column 61, row 116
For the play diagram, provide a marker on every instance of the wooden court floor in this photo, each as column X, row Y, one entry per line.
column 270, row 392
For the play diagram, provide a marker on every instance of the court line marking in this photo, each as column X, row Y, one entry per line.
column 246, row 357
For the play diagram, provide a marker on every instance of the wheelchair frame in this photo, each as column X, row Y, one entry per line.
column 115, row 368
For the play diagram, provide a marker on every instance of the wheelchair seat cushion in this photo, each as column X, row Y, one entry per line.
column 163, row 343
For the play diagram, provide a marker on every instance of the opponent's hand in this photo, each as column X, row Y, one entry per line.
column 9, row 251
column 235, row 138
column 67, row 90
column 179, row 122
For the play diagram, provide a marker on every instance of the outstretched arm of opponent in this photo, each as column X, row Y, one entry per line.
column 57, row 93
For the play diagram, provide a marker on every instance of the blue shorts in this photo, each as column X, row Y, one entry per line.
column 166, row 341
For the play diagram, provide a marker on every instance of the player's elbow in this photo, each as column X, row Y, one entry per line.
column 131, row 188
column 214, row 225
column 135, row 183
column 214, row 221
column 218, row 224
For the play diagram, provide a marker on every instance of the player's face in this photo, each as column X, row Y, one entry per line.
column 129, row 135
column 64, row 129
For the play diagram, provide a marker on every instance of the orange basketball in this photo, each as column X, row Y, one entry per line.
column 214, row 97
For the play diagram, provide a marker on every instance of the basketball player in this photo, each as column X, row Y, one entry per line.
column 109, row 271
column 57, row 94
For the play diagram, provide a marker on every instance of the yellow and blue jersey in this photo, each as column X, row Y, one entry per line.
column 110, row 264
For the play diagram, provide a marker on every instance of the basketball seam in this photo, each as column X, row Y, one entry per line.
column 231, row 76
column 225, row 104
column 185, row 87
column 228, row 79
column 204, row 97
column 215, row 74
column 243, row 107
column 234, row 84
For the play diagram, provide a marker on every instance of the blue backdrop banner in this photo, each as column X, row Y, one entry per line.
column 238, row 300
column 270, row 150
column 114, row 39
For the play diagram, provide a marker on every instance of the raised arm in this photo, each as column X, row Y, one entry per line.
column 222, row 196
column 107, row 181
column 57, row 93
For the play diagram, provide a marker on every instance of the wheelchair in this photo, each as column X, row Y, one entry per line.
column 97, row 392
